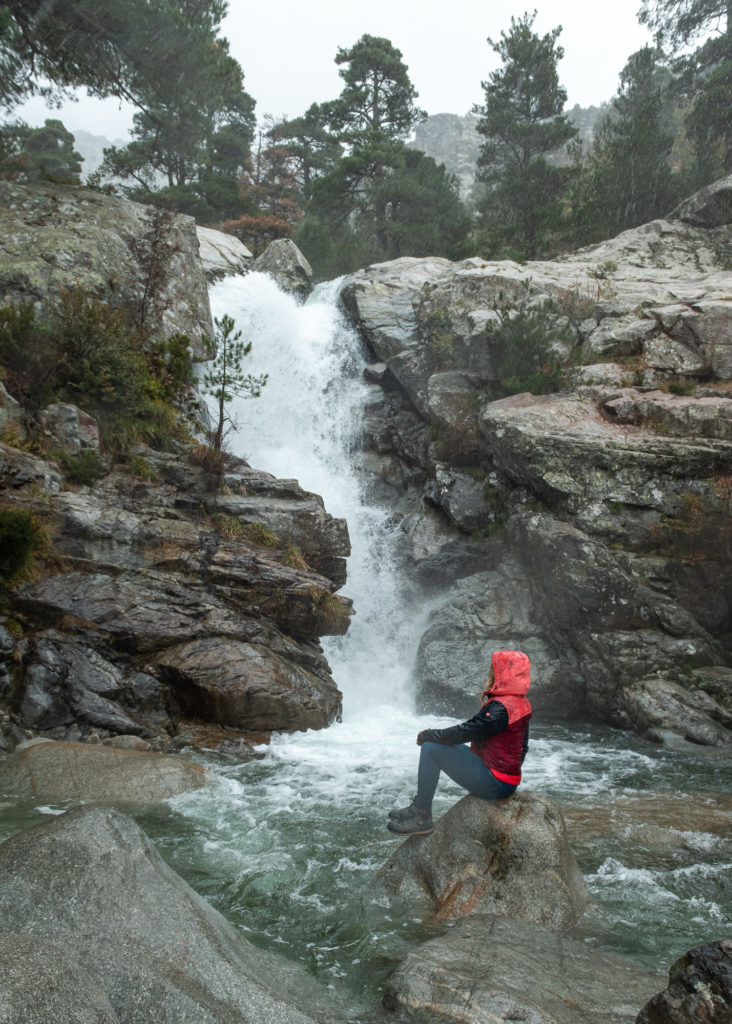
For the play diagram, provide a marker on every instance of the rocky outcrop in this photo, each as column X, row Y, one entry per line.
column 699, row 989
column 222, row 254
column 51, row 772
column 499, row 969
column 92, row 884
column 60, row 237
column 597, row 517
column 283, row 261
column 504, row 857
column 168, row 596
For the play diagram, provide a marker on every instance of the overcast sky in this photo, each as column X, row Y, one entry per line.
column 287, row 50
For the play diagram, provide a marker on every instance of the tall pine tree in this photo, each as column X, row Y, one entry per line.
column 629, row 175
column 523, row 123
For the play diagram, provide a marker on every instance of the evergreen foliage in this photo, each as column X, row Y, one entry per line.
column 380, row 199
column 629, row 179
column 39, row 154
column 225, row 379
column 21, row 538
column 94, row 355
column 529, row 343
column 706, row 72
column 523, row 123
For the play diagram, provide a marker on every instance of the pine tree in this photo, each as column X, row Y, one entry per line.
column 629, row 174
column 40, row 154
column 706, row 70
column 523, row 123
column 225, row 379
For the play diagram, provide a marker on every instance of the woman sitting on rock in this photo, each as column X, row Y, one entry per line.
column 499, row 739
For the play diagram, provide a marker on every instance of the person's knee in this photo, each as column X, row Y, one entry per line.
column 429, row 748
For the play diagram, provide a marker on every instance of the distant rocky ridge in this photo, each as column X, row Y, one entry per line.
column 591, row 528
column 453, row 140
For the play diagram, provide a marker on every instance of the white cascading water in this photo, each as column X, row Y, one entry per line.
column 287, row 844
column 307, row 425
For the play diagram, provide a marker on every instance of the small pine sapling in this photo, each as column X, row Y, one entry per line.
column 226, row 379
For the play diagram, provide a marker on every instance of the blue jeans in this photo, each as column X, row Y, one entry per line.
column 463, row 767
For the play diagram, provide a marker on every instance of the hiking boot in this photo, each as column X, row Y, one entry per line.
column 411, row 822
column 402, row 811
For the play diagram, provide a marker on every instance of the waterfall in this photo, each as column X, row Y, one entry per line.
column 307, row 425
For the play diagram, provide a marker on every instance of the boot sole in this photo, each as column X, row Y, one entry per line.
column 411, row 832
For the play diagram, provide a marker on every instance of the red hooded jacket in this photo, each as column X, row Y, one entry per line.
column 502, row 752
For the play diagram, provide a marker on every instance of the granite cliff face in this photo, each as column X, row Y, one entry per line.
column 590, row 527
column 178, row 600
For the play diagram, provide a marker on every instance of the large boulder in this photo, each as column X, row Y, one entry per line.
column 222, row 255
column 247, row 686
column 283, row 261
column 502, row 857
column 487, row 969
column 699, row 989
column 51, row 772
column 92, row 883
column 711, row 207
column 60, row 236
column 43, row 982
column 68, row 428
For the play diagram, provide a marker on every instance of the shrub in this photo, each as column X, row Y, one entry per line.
column 29, row 355
column 21, row 537
column 85, row 468
column 95, row 355
column 207, row 458
column 527, row 343
column 138, row 466
column 328, row 607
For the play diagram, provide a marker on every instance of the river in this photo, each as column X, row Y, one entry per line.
column 286, row 844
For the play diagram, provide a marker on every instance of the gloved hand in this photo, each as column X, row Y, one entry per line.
column 425, row 736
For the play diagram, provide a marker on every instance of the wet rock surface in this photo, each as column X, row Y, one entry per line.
column 43, row 982
column 283, row 261
column 499, row 969
column 500, row 857
column 91, row 883
column 699, row 989
column 158, row 608
column 62, row 236
column 603, row 510
column 53, row 772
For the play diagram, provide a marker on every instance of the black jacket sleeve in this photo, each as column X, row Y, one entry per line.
column 491, row 719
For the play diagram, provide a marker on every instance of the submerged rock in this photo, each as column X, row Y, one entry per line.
column 488, row 969
column 699, row 989
column 505, row 857
column 93, row 884
column 51, row 772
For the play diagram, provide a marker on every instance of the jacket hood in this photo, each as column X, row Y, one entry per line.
column 511, row 670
